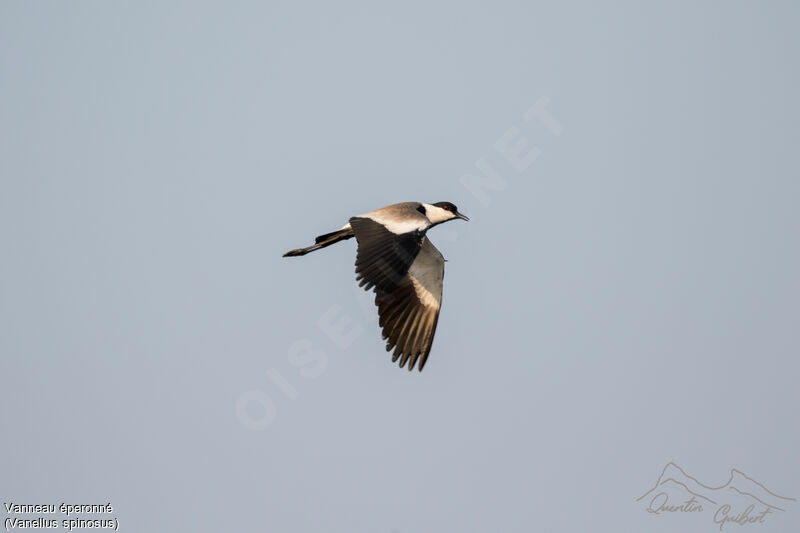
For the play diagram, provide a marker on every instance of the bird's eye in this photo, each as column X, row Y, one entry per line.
column 446, row 207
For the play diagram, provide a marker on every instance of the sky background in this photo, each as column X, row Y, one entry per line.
column 624, row 296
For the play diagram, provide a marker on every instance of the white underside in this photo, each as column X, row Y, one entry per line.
column 398, row 227
column 427, row 274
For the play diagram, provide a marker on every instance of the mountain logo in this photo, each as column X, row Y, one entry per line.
column 741, row 500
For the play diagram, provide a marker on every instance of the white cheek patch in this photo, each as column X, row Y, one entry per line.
column 437, row 214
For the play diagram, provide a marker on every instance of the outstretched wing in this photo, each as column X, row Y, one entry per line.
column 409, row 312
column 383, row 257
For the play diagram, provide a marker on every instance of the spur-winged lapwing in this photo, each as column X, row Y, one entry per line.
column 396, row 259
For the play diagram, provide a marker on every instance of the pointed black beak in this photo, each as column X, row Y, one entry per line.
column 462, row 217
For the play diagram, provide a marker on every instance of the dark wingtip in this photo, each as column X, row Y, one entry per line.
column 293, row 253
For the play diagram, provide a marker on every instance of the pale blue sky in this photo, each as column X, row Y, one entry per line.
column 628, row 298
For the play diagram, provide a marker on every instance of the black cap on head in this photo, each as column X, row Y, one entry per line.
column 447, row 205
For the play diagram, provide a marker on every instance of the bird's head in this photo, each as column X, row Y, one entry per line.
column 443, row 211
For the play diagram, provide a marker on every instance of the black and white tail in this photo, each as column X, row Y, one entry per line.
column 323, row 240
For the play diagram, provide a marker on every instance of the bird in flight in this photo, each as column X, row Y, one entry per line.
column 396, row 259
